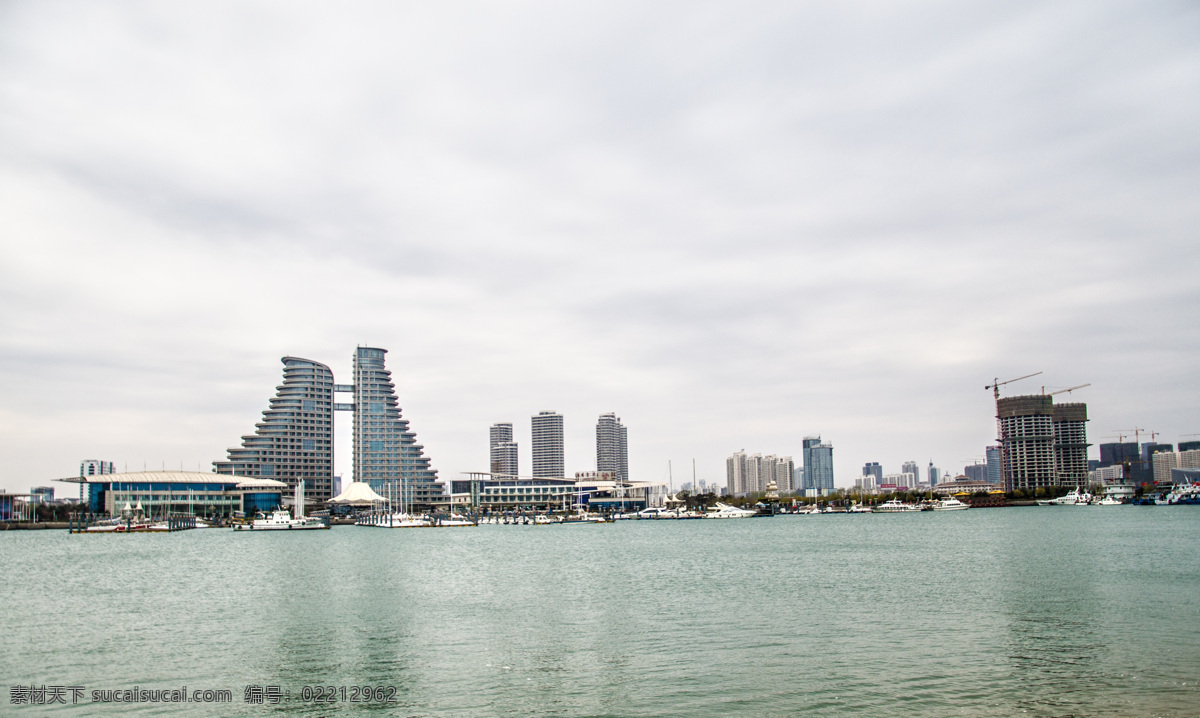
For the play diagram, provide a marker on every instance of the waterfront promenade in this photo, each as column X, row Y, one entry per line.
column 979, row 613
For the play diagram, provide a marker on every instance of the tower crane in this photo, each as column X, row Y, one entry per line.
column 1065, row 391
column 995, row 387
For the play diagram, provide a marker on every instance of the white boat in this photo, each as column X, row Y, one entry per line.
column 950, row 504
column 1109, row 501
column 725, row 511
column 657, row 512
column 455, row 520
column 860, row 509
column 281, row 520
column 895, row 506
column 1075, row 498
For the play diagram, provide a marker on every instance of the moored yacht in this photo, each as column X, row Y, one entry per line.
column 949, row 504
column 895, row 506
column 725, row 511
column 281, row 520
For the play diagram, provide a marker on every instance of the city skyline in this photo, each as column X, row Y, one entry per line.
column 716, row 221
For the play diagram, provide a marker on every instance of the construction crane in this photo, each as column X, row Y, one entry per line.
column 1064, row 391
column 995, row 387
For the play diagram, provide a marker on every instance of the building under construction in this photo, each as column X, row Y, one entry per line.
column 1043, row 445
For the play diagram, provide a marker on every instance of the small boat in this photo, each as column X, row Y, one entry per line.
column 281, row 520
column 860, row 509
column 455, row 520
column 950, row 504
column 1109, row 501
column 895, row 506
column 725, row 511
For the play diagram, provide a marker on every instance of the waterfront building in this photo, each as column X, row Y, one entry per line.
column 1165, row 463
column 1070, row 444
column 818, row 465
column 591, row 490
column 548, row 461
column 873, row 468
column 751, row 474
column 901, row 481
column 193, row 493
column 503, row 450
column 1149, row 449
column 807, row 444
column 1027, row 428
column 994, row 475
column 386, row 453
column 964, row 484
column 785, row 469
column 612, row 446
column 7, row 506
column 93, row 467
column 934, row 475
column 735, row 473
column 42, row 495
column 294, row 440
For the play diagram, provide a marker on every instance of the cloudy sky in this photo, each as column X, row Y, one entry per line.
column 733, row 223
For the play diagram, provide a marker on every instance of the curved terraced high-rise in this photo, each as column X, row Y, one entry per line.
column 386, row 453
column 294, row 440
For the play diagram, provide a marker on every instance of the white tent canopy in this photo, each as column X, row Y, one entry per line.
column 358, row 493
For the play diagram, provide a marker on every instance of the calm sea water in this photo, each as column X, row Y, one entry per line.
column 1035, row 611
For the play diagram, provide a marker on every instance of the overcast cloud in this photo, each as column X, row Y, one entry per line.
column 734, row 224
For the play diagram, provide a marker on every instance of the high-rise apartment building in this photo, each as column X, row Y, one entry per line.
column 752, row 474
column 502, row 450
column 548, row 445
column 933, row 475
column 1070, row 444
column 294, row 440
column 1189, row 445
column 612, row 446
column 911, row 467
column 735, row 473
column 386, row 453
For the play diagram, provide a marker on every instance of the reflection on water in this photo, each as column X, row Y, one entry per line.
column 986, row 612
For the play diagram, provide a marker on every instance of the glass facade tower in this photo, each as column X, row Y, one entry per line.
column 386, row 453
column 294, row 440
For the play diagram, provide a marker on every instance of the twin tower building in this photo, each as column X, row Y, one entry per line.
column 294, row 440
